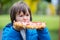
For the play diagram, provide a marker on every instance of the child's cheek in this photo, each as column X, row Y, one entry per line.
column 19, row 19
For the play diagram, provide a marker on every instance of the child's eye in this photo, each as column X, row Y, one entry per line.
column 21, row 15
column 27, row 14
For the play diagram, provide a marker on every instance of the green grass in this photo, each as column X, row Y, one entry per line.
column 52, row 23
column 4, row 19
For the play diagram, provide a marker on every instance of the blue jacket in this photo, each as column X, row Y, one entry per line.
column 9, row 33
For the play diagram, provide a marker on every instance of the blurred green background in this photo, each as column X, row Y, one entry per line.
column 42, row 11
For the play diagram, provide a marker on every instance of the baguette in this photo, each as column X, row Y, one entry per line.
column 31, row 25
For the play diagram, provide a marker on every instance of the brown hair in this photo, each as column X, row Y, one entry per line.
column 21, row 6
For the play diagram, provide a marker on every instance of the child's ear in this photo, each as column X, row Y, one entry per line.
column 13, row 21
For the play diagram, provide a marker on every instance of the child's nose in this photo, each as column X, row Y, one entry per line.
column 24, row 18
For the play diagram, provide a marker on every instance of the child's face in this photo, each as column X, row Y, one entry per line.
column 23, row 17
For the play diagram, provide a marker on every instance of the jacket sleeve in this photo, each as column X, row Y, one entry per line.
column 9, row 33
column 43, row 34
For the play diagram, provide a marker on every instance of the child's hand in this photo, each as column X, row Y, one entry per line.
column 17, row 26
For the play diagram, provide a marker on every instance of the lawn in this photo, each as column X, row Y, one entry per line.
column 52, row 23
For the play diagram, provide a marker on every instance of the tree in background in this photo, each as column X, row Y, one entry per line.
column 45, row 7
column 41, row 7
column 2, row 3
column 58, row 9
column 32, row 4
column 5, row 5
